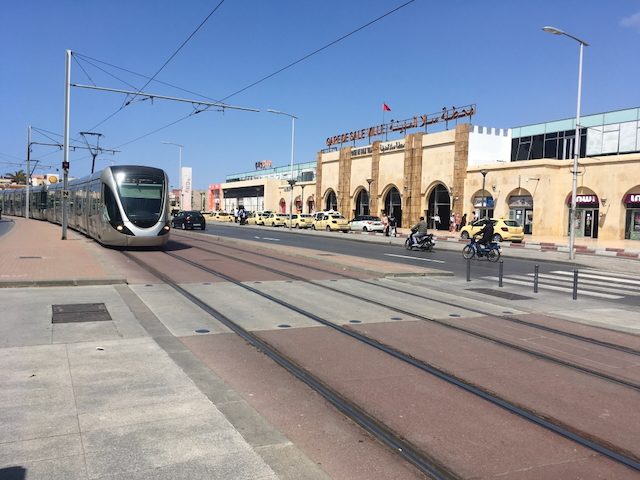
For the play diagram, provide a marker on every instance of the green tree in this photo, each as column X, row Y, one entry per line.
column 19, row 177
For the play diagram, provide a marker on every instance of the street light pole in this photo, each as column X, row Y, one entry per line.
column 180, row 147
column 369, row 181
column 291, row 180
column 484, row 197
column 576, row 148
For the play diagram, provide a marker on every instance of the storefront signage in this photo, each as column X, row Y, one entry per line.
column 445, row 115
column 360, row 151
column 584, row 200
column 388, row 147
column 263, row 164
column 632, row 198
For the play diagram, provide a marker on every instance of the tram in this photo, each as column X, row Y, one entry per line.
column 122, row 206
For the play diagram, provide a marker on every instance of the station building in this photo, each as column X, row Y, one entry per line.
column 522, row 173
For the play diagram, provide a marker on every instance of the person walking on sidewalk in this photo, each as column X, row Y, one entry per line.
column 392, row 225
column 385, row 224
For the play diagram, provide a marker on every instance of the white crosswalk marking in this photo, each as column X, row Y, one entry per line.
column 591, row 282
column 528, row 281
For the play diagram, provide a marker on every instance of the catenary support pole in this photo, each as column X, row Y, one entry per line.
column 65, row 161
column 575, row 284
column 27, row 191
column 535, row 278
column 500, row 272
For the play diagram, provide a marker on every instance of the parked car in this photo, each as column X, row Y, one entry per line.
column 299, row 220
column 275, row 219
column 222, row 217
column 502, row 230
column 331, row 222
column 189, row 219
column 260, row 217
column 366, row 223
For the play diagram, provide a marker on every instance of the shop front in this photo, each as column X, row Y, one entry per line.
column 586, row 217
column 632, row 216
column 521, row 211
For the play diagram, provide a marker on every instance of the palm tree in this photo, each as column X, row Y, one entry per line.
column 19, row 177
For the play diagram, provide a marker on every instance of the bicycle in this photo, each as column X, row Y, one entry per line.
column 474, row 249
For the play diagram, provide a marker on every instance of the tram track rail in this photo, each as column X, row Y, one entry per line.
column 419, row 459
column 543, row 356
column 508, row 318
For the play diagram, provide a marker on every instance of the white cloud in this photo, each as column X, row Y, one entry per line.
column 632, row 21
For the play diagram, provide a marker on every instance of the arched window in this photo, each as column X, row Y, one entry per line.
column 331, row 201
column 362, row 203
column 393, row 205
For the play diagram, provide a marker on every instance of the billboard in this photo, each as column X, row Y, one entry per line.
column 185, row 200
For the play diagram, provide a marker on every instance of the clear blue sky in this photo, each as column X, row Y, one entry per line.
column 425, row 56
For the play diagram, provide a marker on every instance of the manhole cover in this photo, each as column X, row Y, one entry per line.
column 355, row 321
column 454, row 315
column 284, row 325
column 27, row 258
column 80, row 312
column 498, row 293
column 327, row 254
column 396, row 318
column 202, row 330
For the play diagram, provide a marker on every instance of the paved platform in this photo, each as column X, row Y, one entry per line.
column 116, row 398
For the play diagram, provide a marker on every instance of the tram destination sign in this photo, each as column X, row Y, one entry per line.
column 446, row 115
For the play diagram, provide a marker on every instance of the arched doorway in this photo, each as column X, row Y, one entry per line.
column 282, row 205
column 586, row 215
column 483, row 205
column 439, row 208
column 632, row 214
column 393, row 205
column 362, row 203
column 521, row 209
column 311, row 204
column 331, row 202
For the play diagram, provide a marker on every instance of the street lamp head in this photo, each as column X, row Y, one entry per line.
column 554, row 30
column 484, row 172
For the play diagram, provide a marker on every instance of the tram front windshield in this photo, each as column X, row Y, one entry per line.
column 141, row 192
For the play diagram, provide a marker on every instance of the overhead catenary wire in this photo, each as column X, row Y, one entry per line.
column 128, row 102
column 305, row 57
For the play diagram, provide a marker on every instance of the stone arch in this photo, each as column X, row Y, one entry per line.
column 392, row 201
column 361, row 201
column 438, row 201
column 330, row 200
column 519, row 203
column 587, row 214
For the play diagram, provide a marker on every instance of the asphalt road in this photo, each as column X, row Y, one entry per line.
column 348, row 244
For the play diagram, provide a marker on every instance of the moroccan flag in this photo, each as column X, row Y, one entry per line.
column 385, row 107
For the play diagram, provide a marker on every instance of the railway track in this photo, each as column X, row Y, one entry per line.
column 424, row 462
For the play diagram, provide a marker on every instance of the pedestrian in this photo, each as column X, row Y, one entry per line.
column 436, row 221
column 463, row 220
column 457, row 222
column 385, row 224
column 452, row 222
column 392, row 225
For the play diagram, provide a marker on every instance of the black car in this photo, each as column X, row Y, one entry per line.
column 189, row 219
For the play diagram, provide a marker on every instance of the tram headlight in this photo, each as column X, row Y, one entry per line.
column 165, row 229
column 122, row 229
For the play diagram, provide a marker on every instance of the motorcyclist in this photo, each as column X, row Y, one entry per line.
column 418, row 232
column 486, row 233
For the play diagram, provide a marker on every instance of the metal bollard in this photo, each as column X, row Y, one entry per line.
column 575, row 284
column 468, row 269
column 535, row 278
column 500, row 271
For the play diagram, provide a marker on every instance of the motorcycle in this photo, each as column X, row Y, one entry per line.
column 474, row 249
column 426, row 243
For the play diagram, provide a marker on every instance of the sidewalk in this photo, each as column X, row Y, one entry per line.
column 95, row 386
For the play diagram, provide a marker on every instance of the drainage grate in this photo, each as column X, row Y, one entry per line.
column 80, row 312
column 27, row 258
column 326, row 254
column 498, row 293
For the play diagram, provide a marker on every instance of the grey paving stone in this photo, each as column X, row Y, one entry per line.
column 220, row 467
column 61, row 468
column 84, row 332
column 22, row 422
column 161, row 443
column 214, row 388
column 20, row 452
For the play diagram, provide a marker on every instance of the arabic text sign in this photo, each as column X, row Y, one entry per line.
column 445, row 115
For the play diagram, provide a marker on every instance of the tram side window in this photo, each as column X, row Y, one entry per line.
column 110, row 204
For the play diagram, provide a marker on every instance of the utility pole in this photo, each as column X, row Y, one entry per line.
column 26, row 216
column 65, row 161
